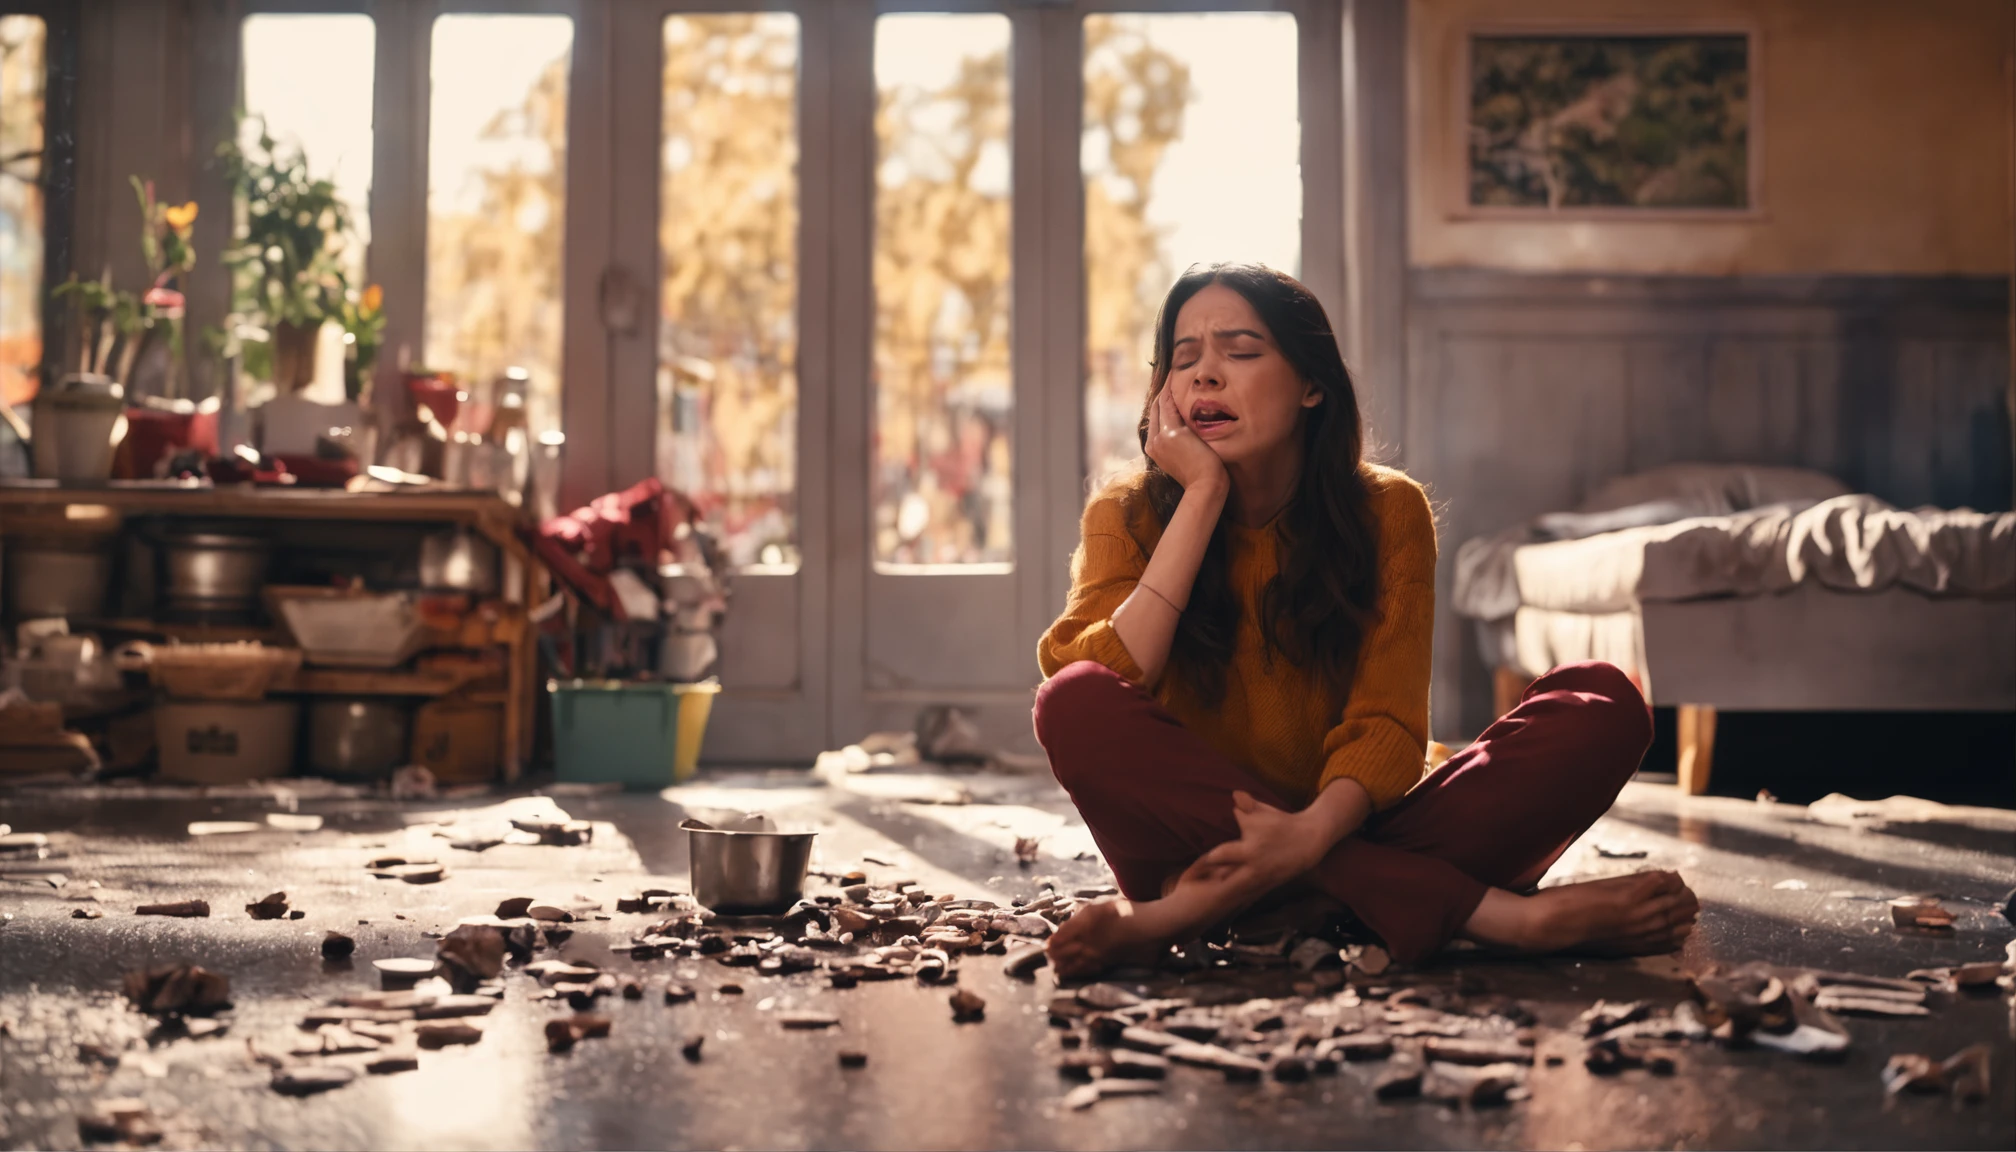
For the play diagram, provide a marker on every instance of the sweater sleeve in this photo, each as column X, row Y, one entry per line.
column 1104, row 570
column 1382, row 740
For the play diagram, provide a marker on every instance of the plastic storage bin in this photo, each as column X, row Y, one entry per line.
column 638, row 735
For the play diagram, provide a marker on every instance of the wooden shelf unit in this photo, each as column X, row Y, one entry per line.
column 525, row 581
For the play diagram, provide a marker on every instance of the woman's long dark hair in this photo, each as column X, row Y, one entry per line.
column 1322, row 598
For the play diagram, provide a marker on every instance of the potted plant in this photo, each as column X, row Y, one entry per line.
column 363, row 335
column 287, row 263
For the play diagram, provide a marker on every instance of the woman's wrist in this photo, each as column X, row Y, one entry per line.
column 1337, row 811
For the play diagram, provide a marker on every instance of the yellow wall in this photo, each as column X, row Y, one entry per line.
column 1884, row 143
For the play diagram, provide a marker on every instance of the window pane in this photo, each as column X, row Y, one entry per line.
column 728, row 244
column 22, row 41
column 944, row 398
column 292, row 66
column 496, row 204
column 1171, row 101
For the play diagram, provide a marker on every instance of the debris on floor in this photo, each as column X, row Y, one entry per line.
column 182, row 908
column 1921, row 913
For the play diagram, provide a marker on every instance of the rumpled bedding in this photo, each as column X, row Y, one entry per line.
column 1852, row 543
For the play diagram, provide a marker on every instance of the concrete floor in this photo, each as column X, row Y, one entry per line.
column 930, row 1083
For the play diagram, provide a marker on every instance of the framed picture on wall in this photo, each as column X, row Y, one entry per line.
column 1610, row 121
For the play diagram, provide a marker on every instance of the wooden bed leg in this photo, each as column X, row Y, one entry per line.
column 1507, row 687
column 1697, row 747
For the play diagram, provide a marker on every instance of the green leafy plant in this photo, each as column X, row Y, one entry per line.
column 115, row 329
column 287, row 261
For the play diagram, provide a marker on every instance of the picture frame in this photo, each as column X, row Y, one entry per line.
column 1698, row 186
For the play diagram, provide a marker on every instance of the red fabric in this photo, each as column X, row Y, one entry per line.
column 636, row 524
column 1496, row 814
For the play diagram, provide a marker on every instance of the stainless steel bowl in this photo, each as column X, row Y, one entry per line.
column 213, row 570
column 745, row 872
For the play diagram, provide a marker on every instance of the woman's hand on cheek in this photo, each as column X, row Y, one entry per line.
column 1178, row 450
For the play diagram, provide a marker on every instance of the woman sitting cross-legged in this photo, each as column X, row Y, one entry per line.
column 1237, row 692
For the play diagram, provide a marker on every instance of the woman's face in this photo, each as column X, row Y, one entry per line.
column 1231, row 382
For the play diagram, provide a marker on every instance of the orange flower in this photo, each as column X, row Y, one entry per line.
column 373, row 297
column 180, row 218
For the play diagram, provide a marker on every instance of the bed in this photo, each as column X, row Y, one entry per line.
column 1736, row 587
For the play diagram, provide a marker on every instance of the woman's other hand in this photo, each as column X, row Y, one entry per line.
column 1274, row 847
column 1181, row 452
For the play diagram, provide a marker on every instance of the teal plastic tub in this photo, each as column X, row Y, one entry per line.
column 638, row 735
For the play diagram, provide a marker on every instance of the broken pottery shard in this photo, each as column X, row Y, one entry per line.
column 966, row 1006
column 1966, row 1071
column 441, row 1034
column 808, row 1020
column 294, row 822
column 1148, row 1039
column 1083, row 1065
column 222, row 827
column 393, row 1060
column 853, row 1059
column 1977, row 975
column 1911, row 1072
column 1027, row 849
column 448, row 1007
column 270, row 907
column 1401, row 1079
column 337, row 946
column 1867, row 1001
column 1211, row 1056
column 632, row 990
column 178, row 988
column 418, row 873
column 184, row 908
column 1921, row 913
column 1107, row 997
column 402, row 971
column 691, row 1048
column 1478, row 1087
column 1370, row 959
column 1362, row 1046
column 1455, row 1050
column 87, row 914
column 1311, row 952
column 1609, row 853
column 308, row 1079
column 511, row 908
column 1604, row 1015
column 1138, row 1065
column 1815, row 1033
column 472, row 953
column 1086, row 1095
column 1022, row 963
column 1814, row 979
column 120, row 1118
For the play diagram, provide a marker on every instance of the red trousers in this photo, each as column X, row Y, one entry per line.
column 1495, row 815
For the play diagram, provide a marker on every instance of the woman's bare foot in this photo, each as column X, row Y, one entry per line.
column 1637, row 915
column 1112, row 932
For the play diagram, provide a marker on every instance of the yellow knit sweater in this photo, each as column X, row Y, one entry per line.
column 1278, row 721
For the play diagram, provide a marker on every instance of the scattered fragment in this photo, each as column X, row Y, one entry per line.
column 337, row 946
column 442, row 1033
column 1871, row 1001
column 851, row 1059
column 678, row 994
column 1130, row 1065
column 402, row 971
column 87, row 913
column 272, row 906
column 1790, row 886
column 308, row 1079
column 1233, row 1064
column 386, row 1062
column 1604, row 1016
column 1107, row 997
column 807, row 1020
column 691, row 1049
column 1609, row 853
column 1478, row 1051
column 1911, row 1072
column 471, row 953
column 966, row 1006
column 1478, row 1087
column 185, row 908
column 563, row 1033
column 222, row 827
column 513, row 907
column 1027, row 849
column 294, row 822
column 177, row 989
column 119, row 1118
column 1369, row 959
column 1023, row 961
column 1086, row 1095
column 1401, row 1079
column 1921, row 913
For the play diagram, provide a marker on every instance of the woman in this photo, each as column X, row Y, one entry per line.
column 1237, row 692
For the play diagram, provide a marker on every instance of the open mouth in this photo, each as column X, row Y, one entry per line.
column 1205, row 414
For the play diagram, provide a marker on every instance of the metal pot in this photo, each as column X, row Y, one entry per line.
column 747, row 872
column 214, row 572
column 67, row 578
column 458, row 561
column 78, row 425
column 357, row 736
